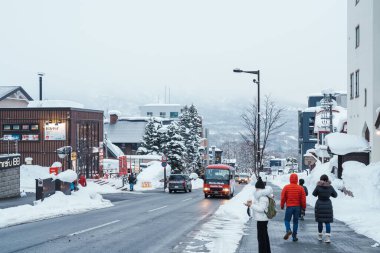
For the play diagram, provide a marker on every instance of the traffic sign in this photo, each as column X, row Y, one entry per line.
column 164, row 164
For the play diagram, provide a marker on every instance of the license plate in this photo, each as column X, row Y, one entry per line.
column 216, row 192
column 175, row 186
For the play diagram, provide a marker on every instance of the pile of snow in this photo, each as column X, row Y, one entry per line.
column 54, row 104
column 114, row 112
column 152, row 177
column 67, row 176
column 232, row 217
column 29, row 174
column 359, row 212
column 342, row 144
column 110, row 187
column 56, row 205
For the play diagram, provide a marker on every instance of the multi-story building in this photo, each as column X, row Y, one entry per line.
column 363, row 67
column 169, row 111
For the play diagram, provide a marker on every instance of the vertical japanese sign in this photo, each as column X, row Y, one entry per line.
column 122, row 165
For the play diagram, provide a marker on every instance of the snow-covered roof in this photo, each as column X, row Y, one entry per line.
column 310, row 109
column 114, row 112
column 115, row 150
column 126, row 131
column 321, row 150
column 6, row 91
column 342, row 144
column 378, row 110
column 55, row 104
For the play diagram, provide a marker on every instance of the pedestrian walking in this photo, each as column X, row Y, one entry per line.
column 82, row 180
column 132, row 181
column 323, row 206
column 259, row 205
column 293, row 196
column 301, row 182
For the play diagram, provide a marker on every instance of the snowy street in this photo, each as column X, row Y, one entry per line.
column 138, row 222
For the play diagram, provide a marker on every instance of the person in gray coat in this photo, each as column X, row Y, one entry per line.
column 323, row 206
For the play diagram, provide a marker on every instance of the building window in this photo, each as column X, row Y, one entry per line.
column 162, row 114
column 357, row 36
column 365, row 97
column 173, row 115
column 149, row 114
column 357, row 84
column 352, row 85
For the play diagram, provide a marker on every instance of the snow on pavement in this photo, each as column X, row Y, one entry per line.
column 225, row 230
column 56, row 205
column 360, row 212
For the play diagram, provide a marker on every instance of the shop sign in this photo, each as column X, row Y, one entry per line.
column 55, row 132
column 8, row 162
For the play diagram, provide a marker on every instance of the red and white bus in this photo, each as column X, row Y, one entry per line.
column 219, row 181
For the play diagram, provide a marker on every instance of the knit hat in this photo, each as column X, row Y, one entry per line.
column 301, row 182
column 260, row 184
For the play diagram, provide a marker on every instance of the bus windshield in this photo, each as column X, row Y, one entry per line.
column 217, row 174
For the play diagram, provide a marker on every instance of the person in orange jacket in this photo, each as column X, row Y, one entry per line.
column 293, row 195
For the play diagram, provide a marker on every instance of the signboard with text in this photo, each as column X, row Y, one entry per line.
column 55, row 132
column 7, row 162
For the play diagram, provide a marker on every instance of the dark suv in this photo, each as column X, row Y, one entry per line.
column 179, row 182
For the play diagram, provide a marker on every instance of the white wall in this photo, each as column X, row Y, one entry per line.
column 13, row 103
column 365, row 58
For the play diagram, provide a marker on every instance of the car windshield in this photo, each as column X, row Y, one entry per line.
column 243, row 176
column 217, row 174
column 176, row 177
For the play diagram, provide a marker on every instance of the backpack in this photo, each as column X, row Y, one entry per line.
column 271, row 208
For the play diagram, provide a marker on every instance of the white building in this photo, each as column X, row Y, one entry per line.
column 364, row 71
column 169, row 111
column 14, row 97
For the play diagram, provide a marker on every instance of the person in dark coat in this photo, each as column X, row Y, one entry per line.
column 301, row 182
column 132, row 181
column 323, row 206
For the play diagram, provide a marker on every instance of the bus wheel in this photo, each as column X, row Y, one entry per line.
column 206, row 196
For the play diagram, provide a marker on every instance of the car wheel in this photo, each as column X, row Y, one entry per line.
column 170, row 191
column 206, row 196
column 190, row 189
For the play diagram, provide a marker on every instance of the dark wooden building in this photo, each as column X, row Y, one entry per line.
column 39, row 132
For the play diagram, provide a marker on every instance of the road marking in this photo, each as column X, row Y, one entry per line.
column 162, row 207
column 186, row 199
column 93, row 228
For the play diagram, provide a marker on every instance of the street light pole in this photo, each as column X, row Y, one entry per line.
column 256, row 72
column 40, row 74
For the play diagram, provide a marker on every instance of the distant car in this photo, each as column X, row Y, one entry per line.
column 243, row 179
column 179, row 182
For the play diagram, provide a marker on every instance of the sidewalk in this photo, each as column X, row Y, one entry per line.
column 17, row 201
column 343, row 238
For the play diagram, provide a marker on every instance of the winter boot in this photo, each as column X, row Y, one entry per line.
column 327, row 239
column 320, row 236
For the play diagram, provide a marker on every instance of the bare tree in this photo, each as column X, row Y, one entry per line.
column 271, row 122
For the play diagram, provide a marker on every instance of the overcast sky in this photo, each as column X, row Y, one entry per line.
column 127, row 48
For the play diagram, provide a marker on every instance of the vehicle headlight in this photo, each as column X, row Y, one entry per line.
column 206, row 189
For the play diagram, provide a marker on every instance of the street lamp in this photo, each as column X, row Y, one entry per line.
column 255, row 72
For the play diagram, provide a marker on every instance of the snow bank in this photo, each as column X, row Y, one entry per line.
column 152, row 177
column 197, row 183
column 29, row 174
column 56, row 205
column 232, row 217
column 360, row 212
column 105, row 188
column 342, row 144
column 55, row 103
column 67, row 176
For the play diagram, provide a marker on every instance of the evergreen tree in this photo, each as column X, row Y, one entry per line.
column 175, row 147
column 150, row 138
column 163, row 138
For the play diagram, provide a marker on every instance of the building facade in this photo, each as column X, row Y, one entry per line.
column 38, row 133
column 363, row 67
column 169, row 111
column 14, row 97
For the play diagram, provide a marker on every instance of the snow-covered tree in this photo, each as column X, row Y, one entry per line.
column 163, row 138
column 151, row 141
column 175, row 147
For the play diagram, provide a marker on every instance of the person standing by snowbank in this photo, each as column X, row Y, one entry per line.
column 301, row 183
column 323, row 206
column 259, row 206
column 132, row 181
column 294, row 197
